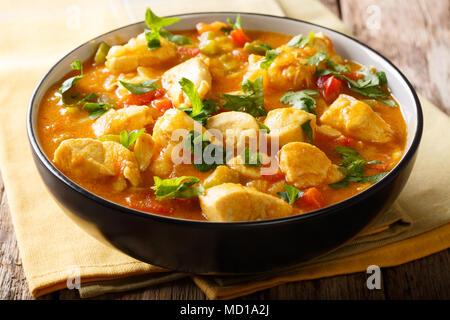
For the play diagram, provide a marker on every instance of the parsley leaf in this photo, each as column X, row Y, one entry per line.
column 257, row 47
column 368, row 86
column 201, row 110
column 155, row 24
column 188, row 87
column 252, row 101
column 352, row 166
column 262, row 126
column 306, row 127
column 317, row 58
column 300, row 42
column 251, row 159
column 175, row 38
column 96, row 109
column 182, row 187
column 237, row 24
column 269, row 58
column 302, row 100
column 70, row 83
column 291, row 194
column 127, row 139
column 207, row 156
column 141, row 87
column 374, row 178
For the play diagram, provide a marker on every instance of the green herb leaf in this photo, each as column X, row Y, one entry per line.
column 176, row 188
column 155, row 24
column 290, row 195
column 77, row 65
column 374, row 178
column 110, row 137
column 188, row 87
column 336, row 67
column 306, row 127
column 302, row 100
column 175, row 38
column 251, row 159
column 352, row 166
column 127, row 139
column 317, row 58
column 141, row 87
column 300, row 42
column 237, row 24
column 200, row 146
column 257, row 47
column 252, row 101
column 262, row 126
column 70, row 83
column 201, row 110
column 269, row 58
column 388, row 102
column 96, row 109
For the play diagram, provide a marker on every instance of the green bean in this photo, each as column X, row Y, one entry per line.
column 100, row 55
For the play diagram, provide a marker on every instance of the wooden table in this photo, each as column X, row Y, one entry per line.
column 415, row 35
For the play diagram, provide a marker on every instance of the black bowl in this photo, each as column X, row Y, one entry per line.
column 211, row 247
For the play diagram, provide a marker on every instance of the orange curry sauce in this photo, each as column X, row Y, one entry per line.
column 56, row 124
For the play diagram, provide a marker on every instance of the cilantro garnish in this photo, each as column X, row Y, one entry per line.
column 352, row 166
column 302, row 100
column 141, row 87
column 291, row 194
column 201, row 110
column 251, row 101
column 175, row 188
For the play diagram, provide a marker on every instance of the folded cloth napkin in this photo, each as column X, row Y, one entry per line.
column 53, row 249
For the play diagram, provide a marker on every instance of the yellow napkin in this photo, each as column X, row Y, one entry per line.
column 36, row 34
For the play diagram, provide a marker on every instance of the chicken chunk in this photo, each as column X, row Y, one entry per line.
column 328, row 131
column 143, row 150
column 135, row 53
column 289, row 70
column 168, row 124
column 321, row 42
column 254, row 69
column 194, row 69
column 304, row 164
column 233, row 202
column 96, row 159
column 237, row 164
column 222, row 174
column 356, row 119
column 129, row 118
column 162, row 165
column 286, row 124
column 236, row 129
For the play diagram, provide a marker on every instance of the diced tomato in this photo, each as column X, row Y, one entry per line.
column 215, row 27
column 330, row 87
column 239, row 37
column 187, row 52
column 162, row 104
column 143, row 99
column 150, row 204
column 345, row 141
column 274, row 177
column 314, row 198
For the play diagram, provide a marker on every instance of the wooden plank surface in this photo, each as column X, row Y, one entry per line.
column 415, row 35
